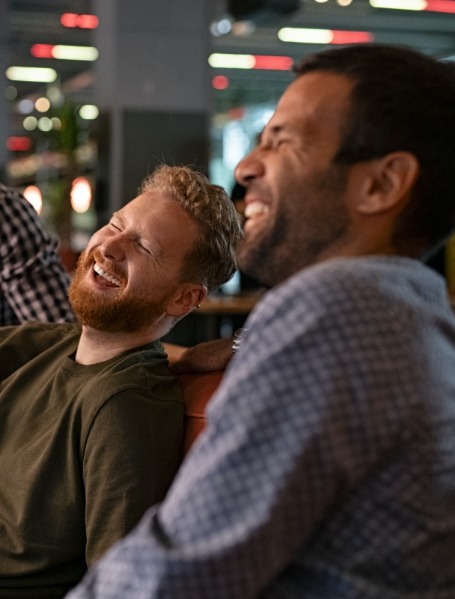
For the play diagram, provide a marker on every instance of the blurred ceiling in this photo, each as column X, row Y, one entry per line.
column 32, row 22
column 254, row 30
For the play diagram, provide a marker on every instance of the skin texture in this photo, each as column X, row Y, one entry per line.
column 141, row 251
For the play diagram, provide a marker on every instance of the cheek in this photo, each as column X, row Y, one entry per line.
column 95, row 241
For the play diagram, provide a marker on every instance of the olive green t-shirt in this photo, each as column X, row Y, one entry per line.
column 84, row 451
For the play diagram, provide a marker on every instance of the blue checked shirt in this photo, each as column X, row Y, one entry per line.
column 327, row 470
column 33, row 282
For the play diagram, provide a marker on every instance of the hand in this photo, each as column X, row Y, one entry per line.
column 204, row 357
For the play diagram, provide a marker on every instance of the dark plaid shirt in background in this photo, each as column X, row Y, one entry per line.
column 327, row 470
column 33, row 283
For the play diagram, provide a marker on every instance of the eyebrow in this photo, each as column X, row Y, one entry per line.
column 151, row 244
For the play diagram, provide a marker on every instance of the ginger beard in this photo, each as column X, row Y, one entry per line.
column 124, row 313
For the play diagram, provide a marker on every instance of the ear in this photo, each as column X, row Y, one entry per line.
column 388, row 183
column 187, row 297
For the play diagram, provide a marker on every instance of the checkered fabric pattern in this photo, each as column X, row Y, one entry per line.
column 327, row 470
column 33, row 282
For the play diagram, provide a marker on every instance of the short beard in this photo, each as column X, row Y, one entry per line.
column 282, row 250
column 125, row 314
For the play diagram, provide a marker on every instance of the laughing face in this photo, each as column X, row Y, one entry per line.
column 131, row 268
column 294, row 203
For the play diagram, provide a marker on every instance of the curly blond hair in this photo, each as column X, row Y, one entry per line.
column 212, row 260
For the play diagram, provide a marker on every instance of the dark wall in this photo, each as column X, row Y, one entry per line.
column 152, row 138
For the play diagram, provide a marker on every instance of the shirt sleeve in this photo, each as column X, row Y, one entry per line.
column 131, row 455
column 290, row 434
column 33, row 281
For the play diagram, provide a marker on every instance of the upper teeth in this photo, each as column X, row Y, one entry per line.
column 97, row 268
column 254, row 208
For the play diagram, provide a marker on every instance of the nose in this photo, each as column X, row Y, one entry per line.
column 113, row 248
column 249, row 168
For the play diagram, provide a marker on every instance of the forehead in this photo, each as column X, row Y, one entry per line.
column 314, row 104
column 154, row 215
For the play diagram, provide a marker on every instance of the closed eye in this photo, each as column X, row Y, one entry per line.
column 143, row 246
column 114, row 226
column 151, row 248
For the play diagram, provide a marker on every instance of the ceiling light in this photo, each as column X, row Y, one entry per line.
column 30, row 123
column 18, row 143
column 323, row 36
column 220, row 82
column 399, row 4
column 25, row 106
column 37, row 74
column 42, row 104
column 75, row 53
column 221, row 27
column 251, row 61
column 33, row 195
column 89, row 112
column 231, row 61
column 45, row 124
column 72, row 20
column 273, row 63
column 446, row 6
column 302, row 35
column 81, row 195
column 61, row 52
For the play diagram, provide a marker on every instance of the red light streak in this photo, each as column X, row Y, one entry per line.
column 42, row 50
column 447, row 6
column 18, row 144
column 274, row 63
column 351, row 37
column 70, row 19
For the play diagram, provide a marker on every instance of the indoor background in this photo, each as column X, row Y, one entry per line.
column 111, row 88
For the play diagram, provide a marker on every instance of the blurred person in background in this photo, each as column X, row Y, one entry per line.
column 33, row 281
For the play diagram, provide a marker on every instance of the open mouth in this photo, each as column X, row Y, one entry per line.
column 253, row 211
column 108, row 279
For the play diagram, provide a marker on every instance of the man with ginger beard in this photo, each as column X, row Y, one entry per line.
column 91, row 420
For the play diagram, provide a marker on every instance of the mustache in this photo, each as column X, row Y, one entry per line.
column 88, row 258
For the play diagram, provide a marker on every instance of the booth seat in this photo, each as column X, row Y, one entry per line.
column 198, row 388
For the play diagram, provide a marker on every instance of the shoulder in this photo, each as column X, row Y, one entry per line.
column 143, row 371
column 33, row 331
column 11, row 197
column 342, row 308
column 363, row 285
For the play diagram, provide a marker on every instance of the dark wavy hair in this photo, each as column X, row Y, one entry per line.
column 401, row 100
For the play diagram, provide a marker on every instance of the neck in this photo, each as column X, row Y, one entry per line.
column 98, row 346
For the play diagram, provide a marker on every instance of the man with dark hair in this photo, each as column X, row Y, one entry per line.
column 91, row 420
column 33, row 281
column 327, row 469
